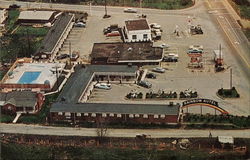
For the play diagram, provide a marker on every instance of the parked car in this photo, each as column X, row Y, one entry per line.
column 62, row 56
column 80, row 24
column 163, row 45
column 74, row 57
column 145, row 84
column 103, row 86
column 151, row 75
column 171, row 57
column 113, row 33
column 130, row 10
column 195, row 49
column 158, row 69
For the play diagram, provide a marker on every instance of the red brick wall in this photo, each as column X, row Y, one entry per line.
column 14, row 86
column 124, row 118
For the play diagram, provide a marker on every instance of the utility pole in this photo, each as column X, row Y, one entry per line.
column 231, row 78
column 57, row 84
column 90, row 8
column 106, row 8
column 70, row 54
column 140, row 6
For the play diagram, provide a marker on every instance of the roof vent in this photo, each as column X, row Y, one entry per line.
column 129, row 49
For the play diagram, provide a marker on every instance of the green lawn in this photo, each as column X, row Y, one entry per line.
column 6, row 118
column 13, row 15
column 20, row 151
column 247, row 33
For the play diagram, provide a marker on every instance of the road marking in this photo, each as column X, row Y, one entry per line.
column 248, row 65
column 233, row 29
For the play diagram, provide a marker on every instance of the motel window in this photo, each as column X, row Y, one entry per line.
column 134, row 37
column 111, row 114
column 162, row 116
column 67, row 114
column 44, row 56
column 104, row 115
column 78, row 114
column 145, row 116
column 86, row 114
column 131, row 116
column 93, row 115
column 119, row 115
column 145, row 36
column 156, row 116
column 137, row 115
column 60, row 113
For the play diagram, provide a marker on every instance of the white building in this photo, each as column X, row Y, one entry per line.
column 137, row 31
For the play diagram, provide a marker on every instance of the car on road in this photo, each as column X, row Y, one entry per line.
column 145, row 84
column 80, row 24
column 151, row 75
column 103, row 86
column 158, row 69
column 195, row 49
column 130, row 10
column 62, row 56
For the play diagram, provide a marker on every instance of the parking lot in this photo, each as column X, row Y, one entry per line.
column 178, row 77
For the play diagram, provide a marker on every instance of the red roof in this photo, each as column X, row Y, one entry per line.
column 140, row 24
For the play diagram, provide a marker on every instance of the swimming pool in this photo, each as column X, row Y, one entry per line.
column 29, row 77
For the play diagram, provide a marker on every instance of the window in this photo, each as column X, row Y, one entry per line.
column 131, row 116
column 145, row 116
column 145, row 36
column 156, row 116
column 104, row 115
column 134, row 37
column 162, row 116
column 137, row 115
column 86, row 114
column 67, row 114
column 111, row 114
column 60, row 113
column 78, row 114
column 119, row 115
column 93, row 115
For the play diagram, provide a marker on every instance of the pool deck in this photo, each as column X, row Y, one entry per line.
column 44, row 68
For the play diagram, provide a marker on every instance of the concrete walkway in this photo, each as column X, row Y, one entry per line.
column 155, row 133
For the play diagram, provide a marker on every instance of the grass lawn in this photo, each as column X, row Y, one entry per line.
column 247, row 33
column 20, row 151
column 6, row 118
column 13, row 15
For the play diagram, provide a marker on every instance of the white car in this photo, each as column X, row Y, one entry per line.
column 103, row 86
column 163, row 45
column 158, row 69
column 130, row 10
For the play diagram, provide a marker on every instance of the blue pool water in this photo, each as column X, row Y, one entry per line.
column 29, row 77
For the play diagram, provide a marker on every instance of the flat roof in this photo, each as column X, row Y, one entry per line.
column 121, row 52
column 46, row 70
column 79, row 80
column 117, row 108
column 55, row 32
column 139, row 24
column 35, row 15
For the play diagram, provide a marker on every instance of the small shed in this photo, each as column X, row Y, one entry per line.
column 226, row 141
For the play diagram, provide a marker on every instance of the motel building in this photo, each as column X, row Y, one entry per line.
column 137, row 31
column 115, row 113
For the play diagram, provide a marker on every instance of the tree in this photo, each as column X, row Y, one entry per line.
column 101, row 128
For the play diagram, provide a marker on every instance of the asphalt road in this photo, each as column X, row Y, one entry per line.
column 155, row 133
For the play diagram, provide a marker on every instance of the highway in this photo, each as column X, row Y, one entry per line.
column 155, row 133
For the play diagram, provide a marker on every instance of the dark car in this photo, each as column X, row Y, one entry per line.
column 62, row 56
column 14, row 6
column 145, row 84
column 151, row 75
